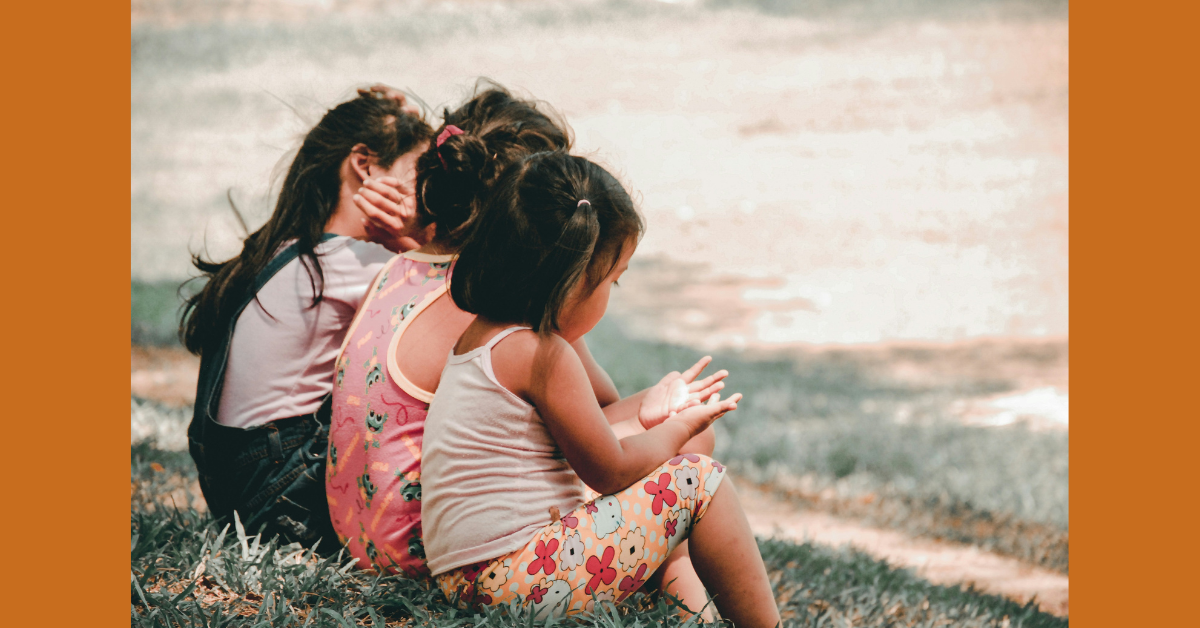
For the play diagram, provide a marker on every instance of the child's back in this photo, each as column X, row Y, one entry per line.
column 372, row 479
column 492, row 479
column 515, row 427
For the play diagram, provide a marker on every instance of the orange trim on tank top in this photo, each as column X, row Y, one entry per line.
column 393, row 368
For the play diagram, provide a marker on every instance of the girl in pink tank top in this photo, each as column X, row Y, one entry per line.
column 374, row 469
column 372, row 480
column 373, row 477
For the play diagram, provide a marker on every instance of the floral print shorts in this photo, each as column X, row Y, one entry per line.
column 603, row 550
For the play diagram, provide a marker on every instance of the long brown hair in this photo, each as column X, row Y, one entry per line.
column 307, row 201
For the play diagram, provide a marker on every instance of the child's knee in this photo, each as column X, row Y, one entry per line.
column 694, row 478
column 701, row 444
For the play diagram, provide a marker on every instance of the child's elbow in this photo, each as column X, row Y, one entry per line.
column 603, row 483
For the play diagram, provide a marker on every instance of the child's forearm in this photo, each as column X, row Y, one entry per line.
column 642, row 452
column 624, row 409
column 602, row 384
column 628, row 427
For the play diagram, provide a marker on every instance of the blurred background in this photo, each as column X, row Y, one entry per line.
column 860, row 208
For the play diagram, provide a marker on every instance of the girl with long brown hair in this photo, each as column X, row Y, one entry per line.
column 268, row 323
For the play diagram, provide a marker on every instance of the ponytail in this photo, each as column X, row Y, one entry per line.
column 478, row 141
column 553, row 228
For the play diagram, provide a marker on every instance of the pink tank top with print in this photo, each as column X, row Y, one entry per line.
column 373, row 478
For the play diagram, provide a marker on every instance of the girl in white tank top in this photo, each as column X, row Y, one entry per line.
column 515, row 431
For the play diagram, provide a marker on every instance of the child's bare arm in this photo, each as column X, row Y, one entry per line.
column 558, row 386
column 602, row 384
column 651, row 406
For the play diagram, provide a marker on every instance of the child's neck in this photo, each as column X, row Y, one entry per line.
column 434, row 247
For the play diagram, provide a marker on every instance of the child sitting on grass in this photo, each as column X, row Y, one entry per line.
column 394, row 352
column 515, row 430
column 268, row 323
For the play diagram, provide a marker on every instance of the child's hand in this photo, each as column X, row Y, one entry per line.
column 379, row 90
column 677, row 392
column 698, row 417
column 391, row 214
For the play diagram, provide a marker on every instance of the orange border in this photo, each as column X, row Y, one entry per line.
column 66, row 137
column 1133, row 137
column 1133, row 279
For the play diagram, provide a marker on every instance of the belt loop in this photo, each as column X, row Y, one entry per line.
column 276, row 444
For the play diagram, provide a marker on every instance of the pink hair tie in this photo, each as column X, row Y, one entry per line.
column 446, row 134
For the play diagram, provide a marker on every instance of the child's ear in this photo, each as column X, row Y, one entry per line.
column 361, row 160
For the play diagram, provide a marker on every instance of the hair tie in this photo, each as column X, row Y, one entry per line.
column 580, row 203
column 446, row 134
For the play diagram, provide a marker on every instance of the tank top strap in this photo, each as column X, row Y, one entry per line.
column 487, row 348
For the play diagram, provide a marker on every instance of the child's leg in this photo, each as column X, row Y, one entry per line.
column 606, row 548
column 677, row 576
column 726, row 556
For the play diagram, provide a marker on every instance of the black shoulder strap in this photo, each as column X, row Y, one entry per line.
column 214, row 358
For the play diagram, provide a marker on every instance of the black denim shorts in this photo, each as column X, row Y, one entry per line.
column 273, row 476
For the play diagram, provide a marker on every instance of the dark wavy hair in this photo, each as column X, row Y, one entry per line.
column 537, row 239
column 498, row 129
column 306, row 203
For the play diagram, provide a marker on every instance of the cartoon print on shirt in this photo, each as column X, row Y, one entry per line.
column 437, row 270
column 416, row 547
column 411, row 490
column 401, row 312
column 375, row 421
column 366, row 489
column 341, row 370
column 382, row 282
column 374, row 370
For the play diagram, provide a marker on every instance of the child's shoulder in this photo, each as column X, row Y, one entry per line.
column 532, row 354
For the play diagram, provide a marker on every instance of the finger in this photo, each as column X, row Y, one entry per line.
column 379, row 186
column 406, row 187
column 374, row 214
column 708, row 381
column 707, row 392
column 713, row 399
column 696, row 369
column 381, row 202
column 387, row 179
column 387, row 91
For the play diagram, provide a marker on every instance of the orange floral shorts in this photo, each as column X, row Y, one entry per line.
column 603, row 550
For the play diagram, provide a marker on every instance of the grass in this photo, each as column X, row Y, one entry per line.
column 186, row 571
column 820, row 423
column 821, row 428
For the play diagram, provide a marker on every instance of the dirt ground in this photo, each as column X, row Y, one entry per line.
column 939, row 562
column 895, row 187
column 805, row 178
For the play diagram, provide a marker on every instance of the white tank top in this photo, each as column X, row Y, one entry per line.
column 490, row 471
